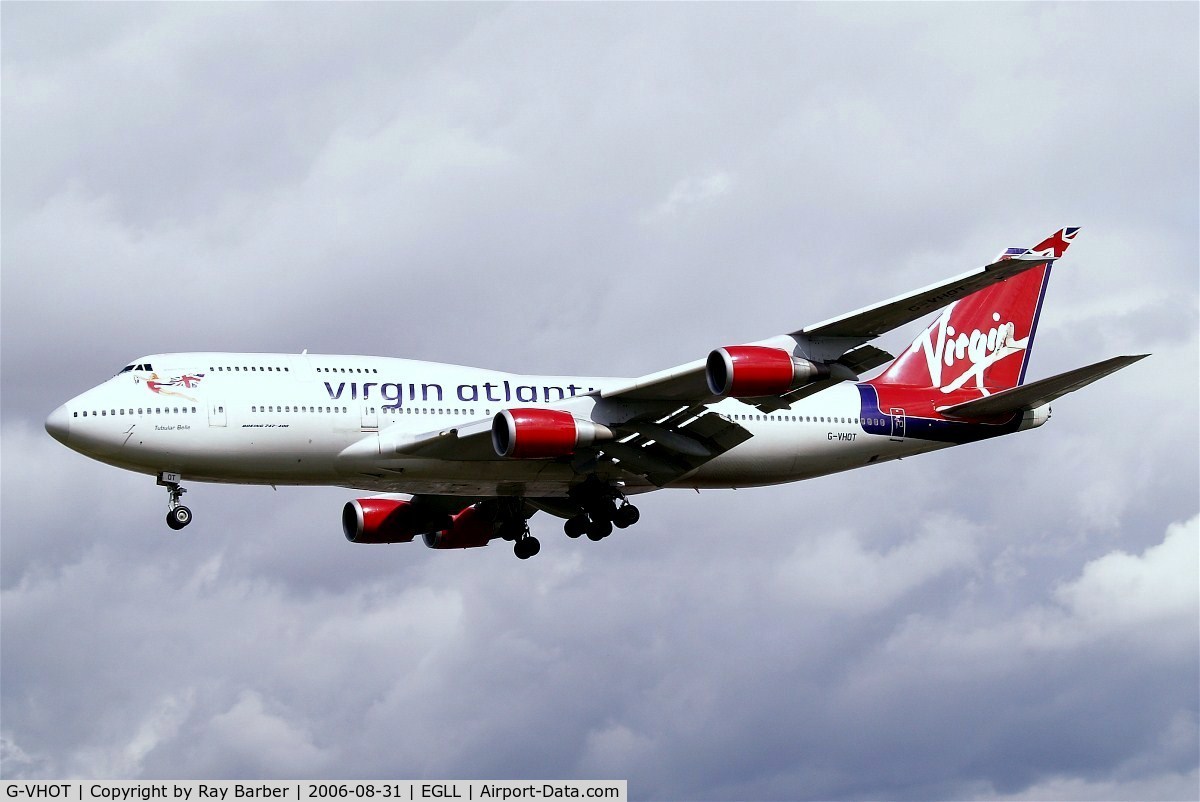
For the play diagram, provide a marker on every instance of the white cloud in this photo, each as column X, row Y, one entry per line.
column 160, row 725
column 248, row 734
column 1120, row 592
column 1170, row 787
column 835, row 572
column 688, row 194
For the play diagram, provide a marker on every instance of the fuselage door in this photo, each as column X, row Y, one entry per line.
column 370, row 417
column 216, row 413
column 897, row 423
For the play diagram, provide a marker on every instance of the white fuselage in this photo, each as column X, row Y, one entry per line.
column 313, row 419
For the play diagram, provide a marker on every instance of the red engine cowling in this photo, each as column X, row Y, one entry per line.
column 470, row 529
column 748, row 371
column 539, row 433
column 386, row 520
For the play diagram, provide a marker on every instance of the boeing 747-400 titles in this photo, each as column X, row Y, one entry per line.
column 460, row 456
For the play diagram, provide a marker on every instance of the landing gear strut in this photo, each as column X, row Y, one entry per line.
column 525, row 545
column 511, row 524
column 178, row 516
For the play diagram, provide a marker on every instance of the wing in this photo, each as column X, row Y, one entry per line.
column 673, row 432
column 872, row 321
column 840, row 340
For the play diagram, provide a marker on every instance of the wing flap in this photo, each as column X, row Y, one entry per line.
column 664, row 450
column 1038, row 393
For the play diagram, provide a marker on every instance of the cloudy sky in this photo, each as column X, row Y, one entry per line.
column 607, row 190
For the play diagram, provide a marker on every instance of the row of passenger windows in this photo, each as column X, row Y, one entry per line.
column 139, row 411
column 369, row 410
column 811, row 419
column 271, row 369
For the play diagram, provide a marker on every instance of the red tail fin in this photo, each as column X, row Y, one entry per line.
column 980, row 344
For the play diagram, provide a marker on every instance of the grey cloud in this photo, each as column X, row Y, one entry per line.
column 606, row 190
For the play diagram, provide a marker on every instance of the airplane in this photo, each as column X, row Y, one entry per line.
column 461, row 456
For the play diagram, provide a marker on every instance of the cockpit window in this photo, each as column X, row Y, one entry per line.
column 128, row 368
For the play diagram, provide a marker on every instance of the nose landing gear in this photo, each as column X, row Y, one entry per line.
column 178, row 516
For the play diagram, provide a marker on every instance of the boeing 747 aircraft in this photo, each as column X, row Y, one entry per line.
column 461, row 456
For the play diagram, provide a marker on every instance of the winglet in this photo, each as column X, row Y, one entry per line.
column 1053, row 246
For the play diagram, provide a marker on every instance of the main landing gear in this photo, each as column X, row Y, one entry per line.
column 512, row 525
column 602, row 507
column 525, row 545
column 178, row 516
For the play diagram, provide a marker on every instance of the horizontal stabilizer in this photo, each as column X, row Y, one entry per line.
column 1038, row 393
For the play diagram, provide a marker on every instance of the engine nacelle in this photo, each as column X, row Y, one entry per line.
column 1033, row 418
column 748, row 371
column 387, row 520
column 470, row 529
column 532, row 433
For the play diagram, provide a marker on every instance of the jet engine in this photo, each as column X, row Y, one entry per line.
column 538, row 433
column 386, row 520
column 469, row 529
column 748, row 371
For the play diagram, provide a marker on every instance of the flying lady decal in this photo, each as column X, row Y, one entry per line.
column 171, row 386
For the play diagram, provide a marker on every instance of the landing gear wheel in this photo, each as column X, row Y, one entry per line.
column 626, row 516
column 576, row 526
column 526, row 547
column 179, row 517
column 598, row 530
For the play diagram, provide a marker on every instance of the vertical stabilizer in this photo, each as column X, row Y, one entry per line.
column 980, row 344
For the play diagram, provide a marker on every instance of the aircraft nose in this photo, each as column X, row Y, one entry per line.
column 58, row 425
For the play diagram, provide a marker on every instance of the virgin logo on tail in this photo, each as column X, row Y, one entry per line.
column 943, row 347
